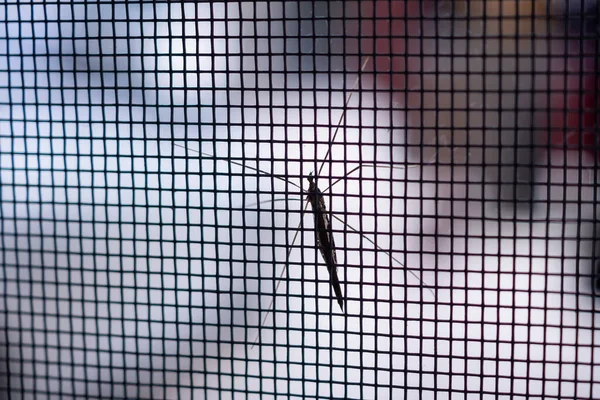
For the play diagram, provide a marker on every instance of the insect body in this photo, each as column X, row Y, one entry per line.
column 324, row 235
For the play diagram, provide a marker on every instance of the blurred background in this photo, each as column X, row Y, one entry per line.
column 141, row 247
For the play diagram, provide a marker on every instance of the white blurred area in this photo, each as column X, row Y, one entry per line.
column 126, row 275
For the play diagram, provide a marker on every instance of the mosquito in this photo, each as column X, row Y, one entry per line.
column 324, row 236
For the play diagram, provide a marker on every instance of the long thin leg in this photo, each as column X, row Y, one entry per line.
column 368, row 240
column 283, row 271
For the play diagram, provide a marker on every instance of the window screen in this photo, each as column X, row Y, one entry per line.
column 156, row 238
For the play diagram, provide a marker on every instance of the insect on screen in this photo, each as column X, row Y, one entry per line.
column 301, row 199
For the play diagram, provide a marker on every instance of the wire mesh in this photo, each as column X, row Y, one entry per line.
column 154, row 237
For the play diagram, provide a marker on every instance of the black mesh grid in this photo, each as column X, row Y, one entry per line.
column 154, row 236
